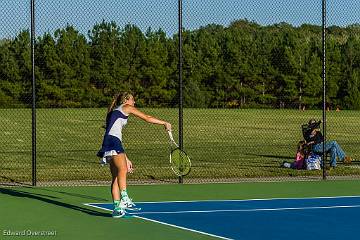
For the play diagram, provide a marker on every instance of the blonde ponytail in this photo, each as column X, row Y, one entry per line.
column 114, row 102
column 119, row 99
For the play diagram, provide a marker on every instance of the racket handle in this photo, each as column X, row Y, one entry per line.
column 172, row 138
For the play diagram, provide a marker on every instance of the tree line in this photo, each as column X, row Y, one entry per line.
column 242, row 65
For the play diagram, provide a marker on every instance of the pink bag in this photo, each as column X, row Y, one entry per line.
column 299, row 160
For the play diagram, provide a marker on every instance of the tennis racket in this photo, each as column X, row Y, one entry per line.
column 179, row 161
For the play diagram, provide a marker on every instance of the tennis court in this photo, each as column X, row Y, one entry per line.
column 260, row 210
column 250, row 219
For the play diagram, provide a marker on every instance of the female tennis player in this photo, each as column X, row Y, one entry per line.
column 112, row 150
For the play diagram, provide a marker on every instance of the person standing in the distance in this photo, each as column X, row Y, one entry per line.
column 112, row 150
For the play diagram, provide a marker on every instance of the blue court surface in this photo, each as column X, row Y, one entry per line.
column 281, row 218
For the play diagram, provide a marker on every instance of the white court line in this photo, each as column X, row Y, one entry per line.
column 247, row 210
column 252, row 199
column 241, row 200
column 93, row 205
column 183, row 228
column 167, row 224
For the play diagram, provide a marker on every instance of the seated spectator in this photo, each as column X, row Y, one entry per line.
column 298, row 162
column 314, row 139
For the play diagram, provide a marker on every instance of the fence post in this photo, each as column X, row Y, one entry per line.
column 324, row 83
column 33, row 109
column 180, row 83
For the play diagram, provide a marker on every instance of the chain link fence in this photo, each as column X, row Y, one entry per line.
column 252, row 76
column 15, row 92
column 343, row 84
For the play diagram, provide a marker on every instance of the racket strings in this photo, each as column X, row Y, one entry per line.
column 180, row 162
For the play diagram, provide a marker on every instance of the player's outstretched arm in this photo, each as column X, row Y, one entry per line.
column 150, row 119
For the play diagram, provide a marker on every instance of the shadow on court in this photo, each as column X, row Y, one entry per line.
column 75, row 195
column 50, row 200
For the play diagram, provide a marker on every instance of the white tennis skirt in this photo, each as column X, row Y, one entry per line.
column 107, row 157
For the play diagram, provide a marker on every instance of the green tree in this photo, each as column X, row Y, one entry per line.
column 10, row 76
column 49, row 93
column 73, row 66
column 351, row 81
column 155, row 70
column 131, row 54
column 105, row 61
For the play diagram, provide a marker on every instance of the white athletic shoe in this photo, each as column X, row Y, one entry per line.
column 118, row 213
column 127, row 203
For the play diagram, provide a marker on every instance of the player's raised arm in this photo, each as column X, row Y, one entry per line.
column 150, row 119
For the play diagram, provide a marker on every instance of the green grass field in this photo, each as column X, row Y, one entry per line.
column 61, row 209
column 223, row 144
